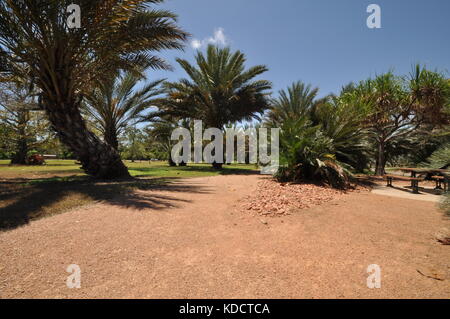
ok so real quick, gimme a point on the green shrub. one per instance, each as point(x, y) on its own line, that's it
point(440, 158)
point(306, 154)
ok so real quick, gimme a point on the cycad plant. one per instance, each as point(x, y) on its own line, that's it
point(65, 63)
point(307, 154)
point(320, 139)
point(341, 120)
point(116, 104)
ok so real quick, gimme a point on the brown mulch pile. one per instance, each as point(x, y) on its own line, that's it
point(276, 199)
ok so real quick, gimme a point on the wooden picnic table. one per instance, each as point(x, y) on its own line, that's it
point(415, 171)
point(439, 172)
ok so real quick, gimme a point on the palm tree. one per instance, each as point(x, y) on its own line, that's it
point(295, 103)
point(219, 90)
point(65, 63)
point(159, 133)
point(116, 103)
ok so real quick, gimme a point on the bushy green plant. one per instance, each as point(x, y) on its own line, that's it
point(307, 154)
point(320, 140)
point(440, 158)
point(340, 121)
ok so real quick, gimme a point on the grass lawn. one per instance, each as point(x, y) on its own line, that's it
point(64, 168)
point(31, 192)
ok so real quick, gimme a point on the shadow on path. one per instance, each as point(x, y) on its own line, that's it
point(21, 202)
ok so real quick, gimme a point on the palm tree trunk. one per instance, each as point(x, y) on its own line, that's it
point(171, 162)
point(217, 165)
point(111, 137)
point(381, 160)
point(98, 158)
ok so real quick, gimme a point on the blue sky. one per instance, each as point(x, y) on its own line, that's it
point(323, 42)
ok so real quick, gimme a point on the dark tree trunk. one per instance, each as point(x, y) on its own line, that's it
point(98, 158)
point(111, 138)
point(171, 162)
point(381, 160)
point(217, 165)
point(20, 156)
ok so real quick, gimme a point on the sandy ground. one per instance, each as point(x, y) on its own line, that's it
point(194, 241)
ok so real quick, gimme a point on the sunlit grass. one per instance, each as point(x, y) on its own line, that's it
point(136, 169)
point(32, 192)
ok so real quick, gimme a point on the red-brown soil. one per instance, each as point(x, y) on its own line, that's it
point(196, 240)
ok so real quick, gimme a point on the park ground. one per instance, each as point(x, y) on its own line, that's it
point(184, 233)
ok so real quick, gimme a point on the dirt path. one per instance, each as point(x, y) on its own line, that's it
point(195, 242)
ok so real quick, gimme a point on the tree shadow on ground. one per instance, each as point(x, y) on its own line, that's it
point(422, 190)
point(22, 201)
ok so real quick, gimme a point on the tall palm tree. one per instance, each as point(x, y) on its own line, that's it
point(219, 90)
point(116, 103)
point(65, 63)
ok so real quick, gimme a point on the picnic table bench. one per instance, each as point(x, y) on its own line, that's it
point(441, 176)
point(414, 181)
point(442, 180)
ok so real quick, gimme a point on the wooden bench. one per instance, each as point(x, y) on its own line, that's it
point(414, 181)
point(441, 180)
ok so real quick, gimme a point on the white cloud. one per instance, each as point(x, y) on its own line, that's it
point(219, 38)
point(196, 44)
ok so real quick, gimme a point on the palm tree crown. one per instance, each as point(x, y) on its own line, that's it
point(295, 102)
point(116, 103)
point(219, 89)
point(66, 63)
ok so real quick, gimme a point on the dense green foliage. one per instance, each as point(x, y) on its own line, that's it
point(398, 107)
point(117, 103)
point(320, 140)
point(388, 119)
point(440, 158)
point(90, 81)
point(66, 63)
